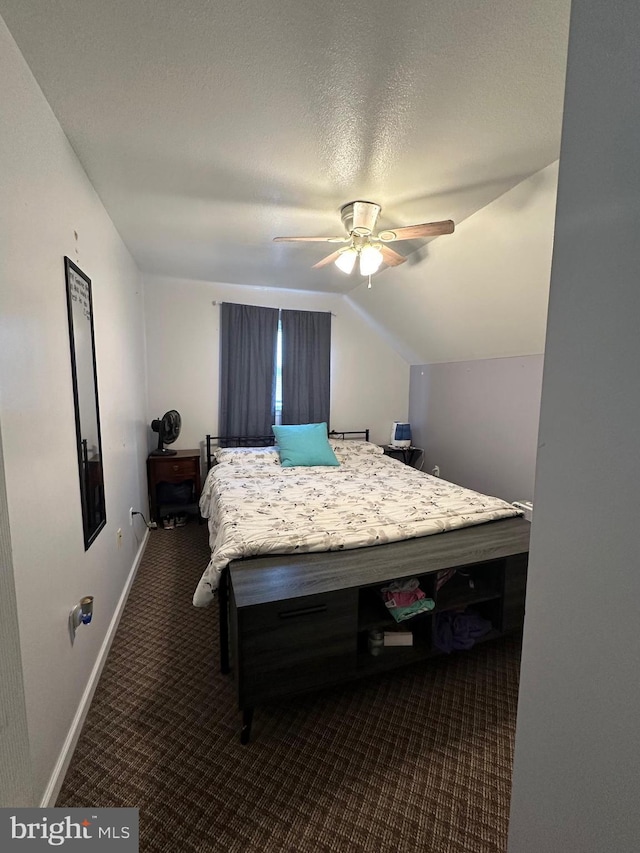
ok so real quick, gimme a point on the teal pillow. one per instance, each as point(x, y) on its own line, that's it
point(304, 444)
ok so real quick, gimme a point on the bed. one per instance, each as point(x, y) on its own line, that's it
point(289, 540)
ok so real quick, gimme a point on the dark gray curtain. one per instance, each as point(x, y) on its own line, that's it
point(306, 366)
point(248, 339)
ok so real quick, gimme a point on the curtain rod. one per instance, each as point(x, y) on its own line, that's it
point(279, 309)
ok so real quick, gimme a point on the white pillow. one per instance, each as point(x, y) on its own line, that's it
point(247, 457)
point(348, 448)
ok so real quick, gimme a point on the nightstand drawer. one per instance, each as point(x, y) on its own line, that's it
point(175, 470)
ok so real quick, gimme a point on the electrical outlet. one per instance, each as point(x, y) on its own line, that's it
point(119, 536)
point(131, 511)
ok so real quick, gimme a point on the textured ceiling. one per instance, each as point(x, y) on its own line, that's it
point(208, 128)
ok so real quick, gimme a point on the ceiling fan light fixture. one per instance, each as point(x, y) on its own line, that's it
point(346, 260)
point(370, 260)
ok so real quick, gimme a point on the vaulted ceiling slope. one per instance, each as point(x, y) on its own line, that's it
point(208, 128)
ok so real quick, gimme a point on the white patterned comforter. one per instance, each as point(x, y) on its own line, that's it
point(258, 507)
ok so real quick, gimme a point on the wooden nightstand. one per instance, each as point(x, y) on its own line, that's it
point(408, 455)
point(181, 468)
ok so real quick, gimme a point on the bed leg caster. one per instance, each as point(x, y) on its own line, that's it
point(245, 731)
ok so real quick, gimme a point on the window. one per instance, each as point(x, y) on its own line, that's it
point(274, 368)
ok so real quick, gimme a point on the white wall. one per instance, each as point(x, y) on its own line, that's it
point(369, 380)
point(15, 756)
point(44, 197)
point(576, 783)
point(471, 319)
point(478, 421)
point(479, 293)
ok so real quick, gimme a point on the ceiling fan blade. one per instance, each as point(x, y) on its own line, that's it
point(391, 257)
point(311, 239)
point(328, 260)
point(410, 232)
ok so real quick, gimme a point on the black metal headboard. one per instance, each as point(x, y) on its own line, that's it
point(266, 440)
point(354, 433)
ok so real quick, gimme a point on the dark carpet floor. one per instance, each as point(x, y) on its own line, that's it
point(415, 760)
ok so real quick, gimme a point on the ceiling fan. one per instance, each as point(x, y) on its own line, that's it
point(359, 219)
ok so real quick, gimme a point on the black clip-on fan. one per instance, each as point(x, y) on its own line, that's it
point(168, 429)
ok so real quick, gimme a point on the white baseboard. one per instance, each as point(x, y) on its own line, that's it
point(64, 758)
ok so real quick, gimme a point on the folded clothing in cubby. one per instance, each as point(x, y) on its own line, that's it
point(405, 599)
point(455, 630)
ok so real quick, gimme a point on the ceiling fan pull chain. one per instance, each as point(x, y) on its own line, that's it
point(369, 285)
